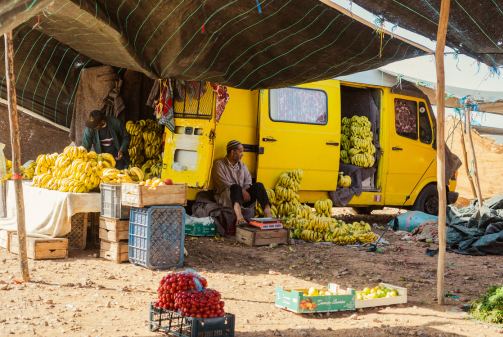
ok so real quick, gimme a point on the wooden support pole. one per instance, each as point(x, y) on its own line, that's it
point(465, 157)
point(16, 154)
point(475, 169)
point(442, 192)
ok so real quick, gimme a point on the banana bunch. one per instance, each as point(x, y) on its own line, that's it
point(290, 180)
point(136, 174)
point(344, 240)
point(287, 207)
point(29, 173)
point(344, 181)
point(152, 168)
point(152, 136)
point(259, 213)
point(339, 230)
point(136, 145)
point(324, 207)
point(274, 211)
point(285, 194)
point(345, 157)
point(8, 175)
point(135, 129)
point(271, 195)
point(155, 170)
point(345, 142)
point(296, 233)
point(363, 159)
point(303, 211)
point(367, 237)
point(361, 226)
point(309, 235)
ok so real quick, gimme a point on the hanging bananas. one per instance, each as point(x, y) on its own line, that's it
point(357, 142)
point(344, 181)
point(146, 141)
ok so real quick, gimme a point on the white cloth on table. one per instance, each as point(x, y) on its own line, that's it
point(47, 213)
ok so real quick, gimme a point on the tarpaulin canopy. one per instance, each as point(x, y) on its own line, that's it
point(474, 26)
point(239, 43)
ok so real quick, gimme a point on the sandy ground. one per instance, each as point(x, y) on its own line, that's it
point(489, 159)
point(88, 296)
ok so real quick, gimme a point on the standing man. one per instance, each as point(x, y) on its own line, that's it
point(108, 135)
point(233, 183)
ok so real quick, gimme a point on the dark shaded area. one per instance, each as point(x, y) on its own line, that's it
point(36, 136)
point(474, 26)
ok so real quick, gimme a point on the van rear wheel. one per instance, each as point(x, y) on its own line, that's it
point(427, 200)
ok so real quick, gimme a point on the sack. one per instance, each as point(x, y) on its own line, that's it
point(410, 220)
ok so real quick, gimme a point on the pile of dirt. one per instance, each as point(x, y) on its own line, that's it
point(489, 158)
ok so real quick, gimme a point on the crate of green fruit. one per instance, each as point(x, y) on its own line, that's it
point(313, 300)
point(381, 295)
point(200, 229)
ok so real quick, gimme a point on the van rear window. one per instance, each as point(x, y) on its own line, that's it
point(298, 105)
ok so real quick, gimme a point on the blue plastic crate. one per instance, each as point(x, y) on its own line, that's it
point(156, 236)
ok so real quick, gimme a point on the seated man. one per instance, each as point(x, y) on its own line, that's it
point(233, 183)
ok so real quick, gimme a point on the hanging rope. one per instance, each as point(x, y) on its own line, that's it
point(379, 29)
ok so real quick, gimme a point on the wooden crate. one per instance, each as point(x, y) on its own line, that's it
point(41, 248)
point(254, 236)
point(5, 238)
point(136, 195)
point(114, 251)
point(114, 230)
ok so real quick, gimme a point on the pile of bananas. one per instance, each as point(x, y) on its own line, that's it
point(27, 173)
point(152, 167)
point(146, 140)
point(324, 207)
point(344, 181)
point(78, 171)
point(286, 198)
point(356, 139)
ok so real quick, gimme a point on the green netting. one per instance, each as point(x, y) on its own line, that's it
point(229, 42)
point(474, 26)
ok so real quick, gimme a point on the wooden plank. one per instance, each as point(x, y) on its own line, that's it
point(111, 256)
point(41, 251)
point(114, 224)
point(264, 242)
point(114, 251)
point(475, 168)
point(442, 193)
point(113, 236)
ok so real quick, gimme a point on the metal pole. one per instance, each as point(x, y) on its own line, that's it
point(442, 192)
point(16, 154)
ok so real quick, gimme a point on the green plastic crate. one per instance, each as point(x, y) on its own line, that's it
point(199, 229)
point(294, 300)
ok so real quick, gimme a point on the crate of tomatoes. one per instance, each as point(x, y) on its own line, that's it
point(186, 307)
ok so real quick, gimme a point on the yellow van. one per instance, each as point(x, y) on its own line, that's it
point(300, 127)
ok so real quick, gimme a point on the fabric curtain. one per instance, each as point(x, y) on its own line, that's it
point(300, 105)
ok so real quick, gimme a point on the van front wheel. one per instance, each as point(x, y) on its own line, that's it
point(427, 200)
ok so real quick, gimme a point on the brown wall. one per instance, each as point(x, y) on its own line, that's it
point(37, 137)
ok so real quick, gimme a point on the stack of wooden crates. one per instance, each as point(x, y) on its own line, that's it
point(114, 224)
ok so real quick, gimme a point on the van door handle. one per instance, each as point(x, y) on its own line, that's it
point(396, 148)
point(334, 144)
point(268, 139)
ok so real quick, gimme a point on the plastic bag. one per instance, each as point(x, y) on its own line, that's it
point(3, 168)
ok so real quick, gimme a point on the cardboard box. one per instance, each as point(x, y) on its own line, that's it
point(294, 300)
point(383, 301)
point(200, 229)
point(136, 195)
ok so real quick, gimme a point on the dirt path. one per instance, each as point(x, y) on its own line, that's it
point(88, 296)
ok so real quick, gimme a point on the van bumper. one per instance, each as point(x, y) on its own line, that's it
point(452, 197)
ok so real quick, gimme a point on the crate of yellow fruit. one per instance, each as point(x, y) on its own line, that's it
point(381, 295)
point(154, 192)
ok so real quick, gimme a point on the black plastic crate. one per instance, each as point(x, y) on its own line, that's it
point(178, 325)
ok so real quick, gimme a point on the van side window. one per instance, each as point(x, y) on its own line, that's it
point(425, 134)
point(298, 105)
point(406, 118)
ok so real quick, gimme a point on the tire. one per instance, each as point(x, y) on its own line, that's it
point(427, 200)
point(366, 210)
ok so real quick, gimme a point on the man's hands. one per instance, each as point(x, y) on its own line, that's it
point(246, 196)
point(120, 155)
